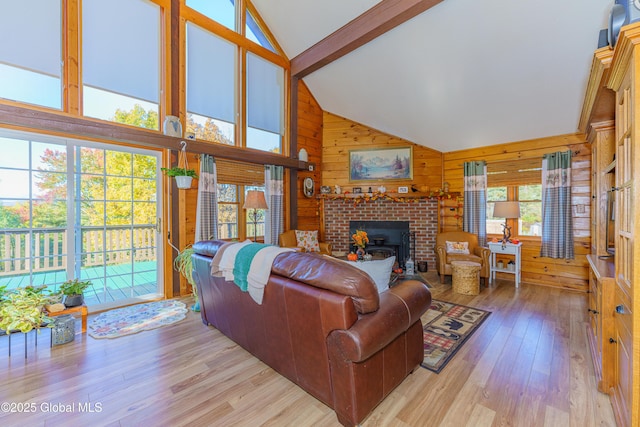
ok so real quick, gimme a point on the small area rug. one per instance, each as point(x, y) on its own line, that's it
point(136, 318)
point(447, 327)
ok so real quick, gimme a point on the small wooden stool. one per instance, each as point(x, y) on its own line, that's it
point(466, 277)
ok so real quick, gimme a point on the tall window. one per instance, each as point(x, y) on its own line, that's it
point(265, 104)
point(235, 86)
point(121, 57)
point(31, 52)
point(211, 81)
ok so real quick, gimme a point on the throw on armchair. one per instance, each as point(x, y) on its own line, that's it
point(473, 252)
point(307, 241)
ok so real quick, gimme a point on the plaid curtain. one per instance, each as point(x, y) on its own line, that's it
point(274, 193)
point(475, 200)
point(557, 222)
point(207, 207)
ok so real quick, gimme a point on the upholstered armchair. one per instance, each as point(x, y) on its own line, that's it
point(476, 253)
point(288, 239)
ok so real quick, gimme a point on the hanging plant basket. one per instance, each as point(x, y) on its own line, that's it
point(183, 182)
point(181, 173)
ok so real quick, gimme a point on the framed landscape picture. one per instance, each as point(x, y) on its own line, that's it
point(381, 164)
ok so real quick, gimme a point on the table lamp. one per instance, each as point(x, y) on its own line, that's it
point(506, 210)
point(255, 200)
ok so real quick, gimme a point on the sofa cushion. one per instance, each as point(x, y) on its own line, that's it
point(458, 247)
point(308, 240)
point(379, 270)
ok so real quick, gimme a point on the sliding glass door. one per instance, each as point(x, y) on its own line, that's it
point(78, 209)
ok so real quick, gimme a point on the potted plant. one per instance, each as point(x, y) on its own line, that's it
point(73, 290)
point(22, 310)
point(183, 176)
point(183, 263)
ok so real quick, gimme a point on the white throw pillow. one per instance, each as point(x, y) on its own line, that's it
point(379, 270)
point(458, 247)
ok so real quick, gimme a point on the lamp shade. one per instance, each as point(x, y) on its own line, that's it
point(255, 200)
point(506, 210)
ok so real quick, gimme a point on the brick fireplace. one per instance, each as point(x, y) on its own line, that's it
point(421, 215)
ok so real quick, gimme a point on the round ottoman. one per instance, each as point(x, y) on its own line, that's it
point(466, 277)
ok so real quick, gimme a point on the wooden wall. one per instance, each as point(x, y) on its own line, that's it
point(341, 135)
point(309, 138)
point(561, 273)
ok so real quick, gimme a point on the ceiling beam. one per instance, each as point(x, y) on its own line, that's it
point(376, 21)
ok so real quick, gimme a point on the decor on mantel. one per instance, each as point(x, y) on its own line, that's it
point(356, 198)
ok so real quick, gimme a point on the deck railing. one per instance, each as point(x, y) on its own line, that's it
point(45, 249)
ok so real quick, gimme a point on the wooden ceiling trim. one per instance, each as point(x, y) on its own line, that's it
point(376, 21)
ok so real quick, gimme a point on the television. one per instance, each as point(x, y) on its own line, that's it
point(610, 219)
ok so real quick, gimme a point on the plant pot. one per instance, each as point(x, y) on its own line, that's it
point(73, 300)
point(183, 182)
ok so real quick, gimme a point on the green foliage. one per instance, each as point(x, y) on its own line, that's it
point(176, 171)
point(137, 117)
point(74, 287)
point(183, 263)
point(22, 310)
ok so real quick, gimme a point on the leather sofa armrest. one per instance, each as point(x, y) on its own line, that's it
point(400, 307)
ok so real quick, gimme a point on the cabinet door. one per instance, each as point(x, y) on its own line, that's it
point(623, 360)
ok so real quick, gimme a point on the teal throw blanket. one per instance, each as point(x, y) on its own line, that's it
point(243, 262)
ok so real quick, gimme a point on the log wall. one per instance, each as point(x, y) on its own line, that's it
point(309, 138)
point(341, 135)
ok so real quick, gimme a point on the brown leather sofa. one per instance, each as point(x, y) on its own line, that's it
point(323, 325)
point(477, 253)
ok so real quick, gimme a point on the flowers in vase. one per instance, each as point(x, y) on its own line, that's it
point(360, 238)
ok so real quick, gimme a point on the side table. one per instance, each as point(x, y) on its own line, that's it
point(506, 249)
point(82, 309)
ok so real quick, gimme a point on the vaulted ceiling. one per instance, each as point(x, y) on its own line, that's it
point(462, 74)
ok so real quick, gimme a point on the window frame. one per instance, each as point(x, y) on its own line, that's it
point(243, 215)
point(514, 223)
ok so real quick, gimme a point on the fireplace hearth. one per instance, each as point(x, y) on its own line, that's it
point(386, 238)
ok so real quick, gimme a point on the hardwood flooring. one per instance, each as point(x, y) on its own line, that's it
point(527, 365)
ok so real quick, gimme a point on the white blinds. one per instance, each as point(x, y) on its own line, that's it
point(210, 75)
point(31, 33)
point(265, 95)
point(121, 47)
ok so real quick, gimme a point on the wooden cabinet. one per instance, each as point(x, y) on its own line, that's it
point(601, 309)
point(625, 82)
point(602, 139)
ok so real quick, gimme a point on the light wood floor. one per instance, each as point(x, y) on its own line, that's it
point(528, 365)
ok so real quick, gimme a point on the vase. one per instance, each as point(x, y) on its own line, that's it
point(172, 126)
point(360, 253)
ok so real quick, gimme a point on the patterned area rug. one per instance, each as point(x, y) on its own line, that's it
point(447, 327)
point(136, 318)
